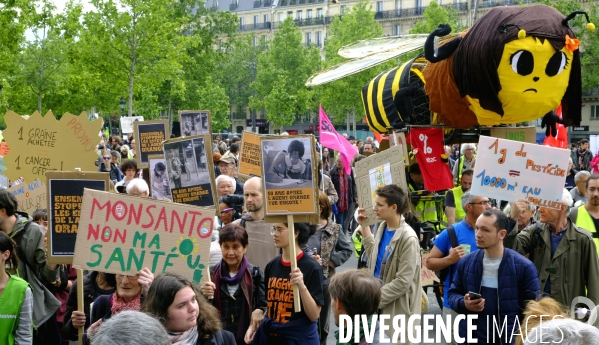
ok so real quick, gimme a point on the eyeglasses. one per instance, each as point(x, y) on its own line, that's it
point(227, 210)
point(275, 231)
point(121, 276)
point(106, 158)
point(484, 203)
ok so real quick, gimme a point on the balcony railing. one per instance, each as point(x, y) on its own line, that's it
point(256, 26)
point(488, 4)
point(299, 2)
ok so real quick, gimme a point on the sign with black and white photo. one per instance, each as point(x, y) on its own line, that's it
point(160, 186)
point(149, 136)
point(195, 122)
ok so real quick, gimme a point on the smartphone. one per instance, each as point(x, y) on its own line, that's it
point(474, 296)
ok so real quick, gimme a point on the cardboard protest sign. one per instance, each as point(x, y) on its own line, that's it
point(4, 150)
point(159, 184)
point(30, 196)
point(195, 122)
point(190, 170)
point(40, 144)
point(511, 170)
point(250, 159)
point(128, 121)
point(65, 194)
point(125, 235)
point(524, 134)
point(289, 175)
point(381, 169)
point(149, 136)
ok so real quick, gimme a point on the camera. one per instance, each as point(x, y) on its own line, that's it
point(234, 201)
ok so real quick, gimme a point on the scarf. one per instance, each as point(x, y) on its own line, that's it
point(118, 304)
point(581, 158)
point(189, 337)
point(343, 190)
point(244, 278)
point(355, 341)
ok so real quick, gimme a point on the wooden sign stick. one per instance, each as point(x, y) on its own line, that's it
point(291, 232)
point(80, 302)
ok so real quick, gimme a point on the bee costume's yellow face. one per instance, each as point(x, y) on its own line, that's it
point(533, 76)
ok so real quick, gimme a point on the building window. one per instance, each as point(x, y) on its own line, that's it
point(594, 112)
point(263, 38)
point(418, 4)
point(290, 14)
point(255, 41)
point(318, 39)
point(398, 5)
point(309, 14)
point(281, 17)
point(255, 22)
point(265, 18)
point(343, 9)
point(397, 30)
point(379, 6)
point(308, 38)
point(299, 15)
point(241, 21)
point(319, 12)
point(220, 44)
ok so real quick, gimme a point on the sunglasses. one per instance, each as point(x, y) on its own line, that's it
point(226, 210)
point(106, 158)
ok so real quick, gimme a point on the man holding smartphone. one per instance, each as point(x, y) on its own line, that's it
point(477, 289)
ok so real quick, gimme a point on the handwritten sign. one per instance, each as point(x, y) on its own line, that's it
point(41, 144)
point(511, 170)
point(381, 169)
point(149, 136)
point(65, 194)
point(190, 170)
point(288, 174)
point(524, 134)
point(128, 121)
point(30, 196)
point(250, 159)
point(127, 234)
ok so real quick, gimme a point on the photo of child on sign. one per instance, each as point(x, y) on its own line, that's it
point(184, 163)
point(288, 175)
point(194, 123)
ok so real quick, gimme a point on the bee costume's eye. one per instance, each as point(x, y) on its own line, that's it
point(522, 62)
point(556, 64)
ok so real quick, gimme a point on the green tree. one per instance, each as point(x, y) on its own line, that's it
point(343, 96)
point(281, 75)
point(214, 98)
point(434, 15)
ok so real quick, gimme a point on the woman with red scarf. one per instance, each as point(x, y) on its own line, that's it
point(237, 287)
point(130, 290)
point(345, 184)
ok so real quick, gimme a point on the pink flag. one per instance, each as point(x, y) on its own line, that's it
point(333, 140)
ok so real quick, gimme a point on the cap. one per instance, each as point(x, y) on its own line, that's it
point(351, 137)
point(229, 159)
point(583, 141)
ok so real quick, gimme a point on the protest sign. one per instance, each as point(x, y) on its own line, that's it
point(381, 169)
point(524, 134)
point(40, 144)
point(149, 136)
point(30, 196)
point(4, 150)
point(127, 123)
point(65, 193)
point(127, 234)
point(190, 170)
point(159, 183)
point(289, 185)
point(250, 159)
point(195, 122)
point(511, 170)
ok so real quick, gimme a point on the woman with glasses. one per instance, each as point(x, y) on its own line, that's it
point(110, 167)
point(129, 293)
point(283, 325)
point(330, 248)
point(237, 287)
point(187, 317)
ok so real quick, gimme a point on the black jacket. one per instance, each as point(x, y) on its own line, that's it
point(353, 192)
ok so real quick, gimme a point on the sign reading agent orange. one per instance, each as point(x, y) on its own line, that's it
point(250, 160)
point(125, 235)
point(289, 175)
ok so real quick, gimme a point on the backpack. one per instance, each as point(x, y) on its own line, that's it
point(453, 240)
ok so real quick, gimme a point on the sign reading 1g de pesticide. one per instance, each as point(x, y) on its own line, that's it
point(512, 170)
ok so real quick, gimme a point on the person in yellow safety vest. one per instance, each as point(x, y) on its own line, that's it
point(467, 161)
point(454, 213)
point(424, 210)
point(586, 216)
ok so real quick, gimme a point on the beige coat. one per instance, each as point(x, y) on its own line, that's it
point(402, 282)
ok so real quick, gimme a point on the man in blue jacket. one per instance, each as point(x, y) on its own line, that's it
point(498, 302)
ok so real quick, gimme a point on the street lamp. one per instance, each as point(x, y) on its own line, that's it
point(123, 103)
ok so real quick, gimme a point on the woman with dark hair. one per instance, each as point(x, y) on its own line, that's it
point(330, 248)
point(187, 316)
point(345, 185)
point(160, 185)
point(129, 169)
point(16, 299)
point(287, 164)
point(283, 323)
point(237, 287)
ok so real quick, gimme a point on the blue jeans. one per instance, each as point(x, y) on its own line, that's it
point(340, 219)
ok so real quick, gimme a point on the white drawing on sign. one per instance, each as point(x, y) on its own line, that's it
point(427, 149)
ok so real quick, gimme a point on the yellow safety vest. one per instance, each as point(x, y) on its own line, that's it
point(460, 168)
point(426, 210)
point(459, 211)
point(585, 221)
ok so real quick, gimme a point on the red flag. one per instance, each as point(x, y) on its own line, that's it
point(427, 145)
point(561, 139)
point(333, 140)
